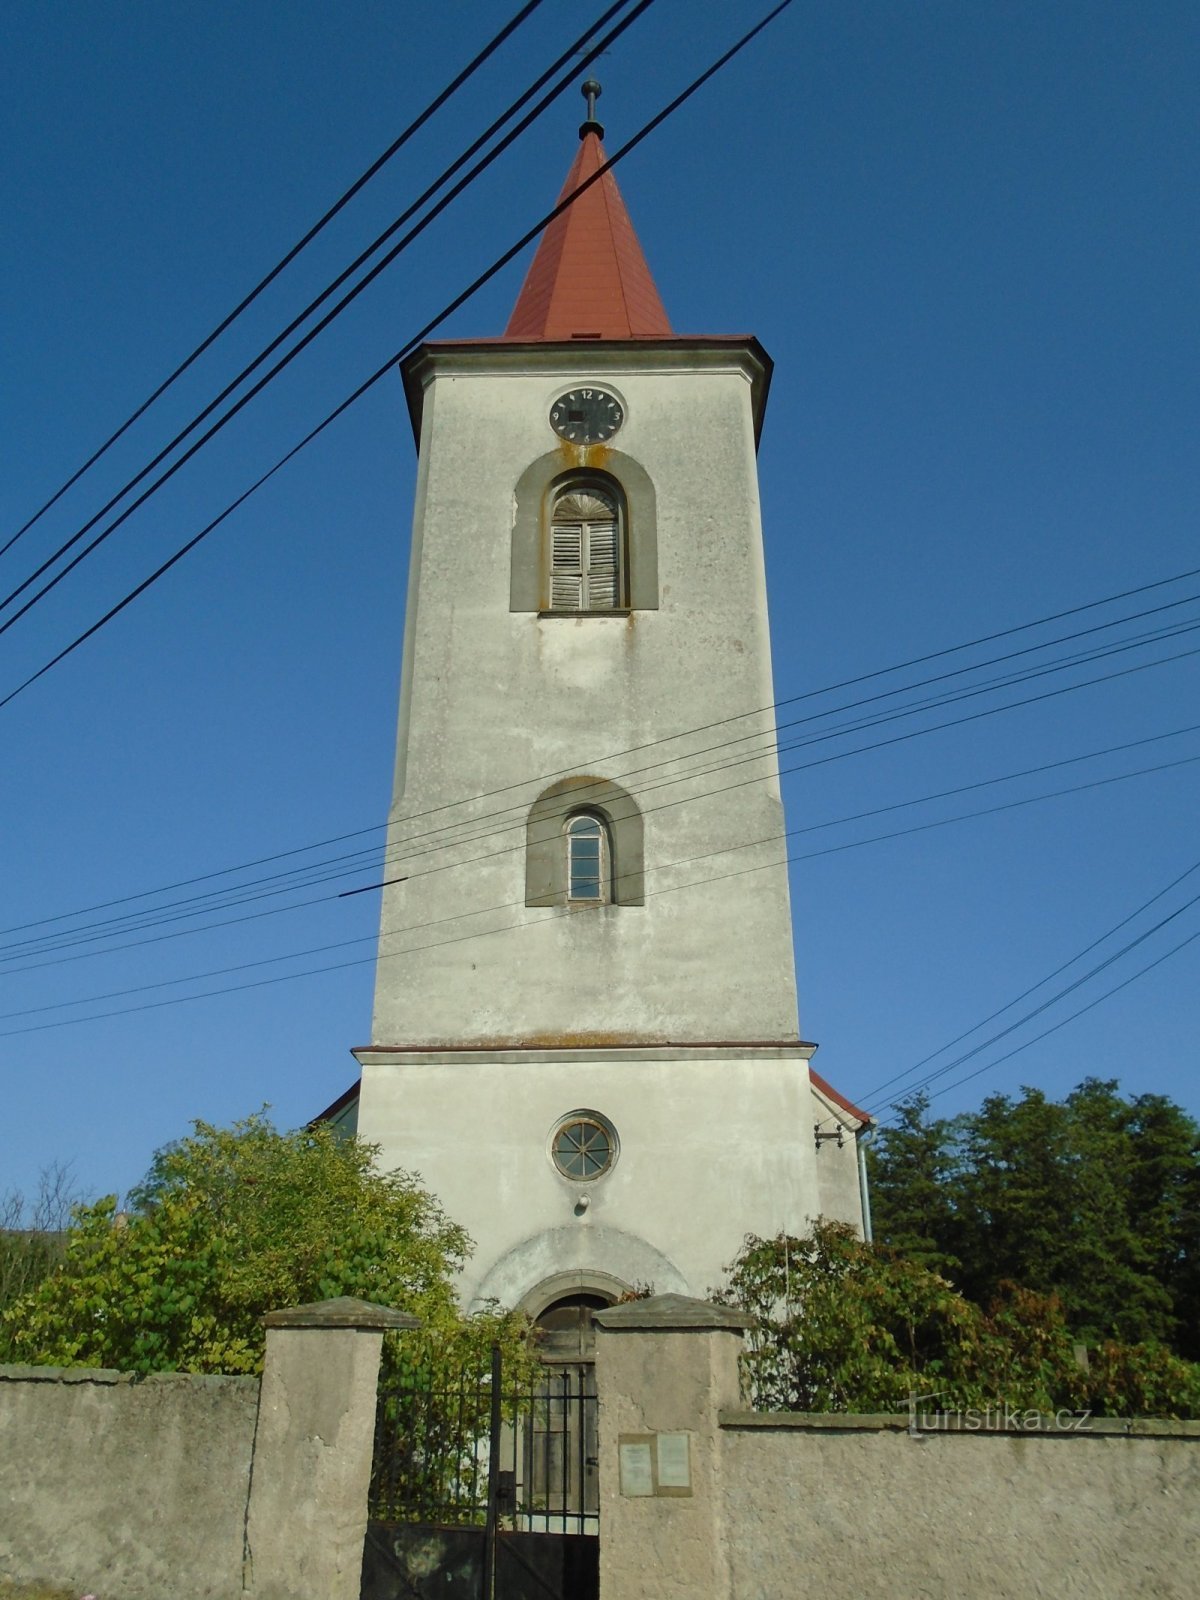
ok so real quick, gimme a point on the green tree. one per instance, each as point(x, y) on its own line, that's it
point(840, 1325)
point(230, 1223)
point(1094, 1199)
point(912, 1169)
point(1164, 1201)
point(1013, 1186)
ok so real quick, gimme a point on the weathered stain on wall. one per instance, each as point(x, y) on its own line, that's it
point(215, 1488)
point(133, 1487)
point(859, 1507)
point(875, 1511)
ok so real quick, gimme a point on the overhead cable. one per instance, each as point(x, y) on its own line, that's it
point(1109, 933)
point(460, 299)
point(359, 183)
point(514, 905)
point(403, 851)
point(302, 344)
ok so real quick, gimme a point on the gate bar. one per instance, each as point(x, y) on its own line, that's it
point(489, 1535)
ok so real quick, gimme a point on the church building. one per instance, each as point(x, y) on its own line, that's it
point(585, 1036)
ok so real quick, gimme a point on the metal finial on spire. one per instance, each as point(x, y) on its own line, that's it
point(591, 92)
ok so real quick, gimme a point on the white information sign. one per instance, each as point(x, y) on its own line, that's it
point(637, 1467)
point(674, 1462)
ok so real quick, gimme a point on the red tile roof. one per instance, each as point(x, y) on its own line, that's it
point(830, 1093)
point(589, 278)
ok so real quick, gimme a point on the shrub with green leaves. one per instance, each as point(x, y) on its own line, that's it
point(230, 1223)
point(840, 1325)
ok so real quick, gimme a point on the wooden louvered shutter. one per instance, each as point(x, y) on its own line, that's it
point(602, 570)
point(566, 566)
point(585, 552)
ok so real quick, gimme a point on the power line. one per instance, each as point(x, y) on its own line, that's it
point(583, 793)
point(359, 183)
point(368, 383)
point(402, 851)
point(303, 343)
point(1024, 995)
point(303, 876)
point(23, 953)
point(777, 746)
point(845, 683)
point(988, 1066)
point(685, 733)
point(521, 904)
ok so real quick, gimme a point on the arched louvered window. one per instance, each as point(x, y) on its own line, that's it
point(589, 858)
point(622, 486)
point(586, 550)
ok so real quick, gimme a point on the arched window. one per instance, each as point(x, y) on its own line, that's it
point(542, 490)
point(589, 859)
point(587, 563)
point(583, 839)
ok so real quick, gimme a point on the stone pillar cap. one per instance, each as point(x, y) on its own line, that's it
point(344, 1312)
point(677, 1311)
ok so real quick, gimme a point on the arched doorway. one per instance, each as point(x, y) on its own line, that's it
point(565, 1330)
point(560, 1447)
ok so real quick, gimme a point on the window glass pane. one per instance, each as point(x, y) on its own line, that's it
point(585, 858)
point(582, 1149)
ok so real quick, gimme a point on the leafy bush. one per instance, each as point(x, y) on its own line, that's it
point(231, 1223)
point(845, 1326)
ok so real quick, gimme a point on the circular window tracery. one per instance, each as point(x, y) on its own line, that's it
point(583, 1146)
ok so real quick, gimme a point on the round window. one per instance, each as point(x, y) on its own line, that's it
point(584, 1146)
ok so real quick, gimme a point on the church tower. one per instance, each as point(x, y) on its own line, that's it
point(585, 1034)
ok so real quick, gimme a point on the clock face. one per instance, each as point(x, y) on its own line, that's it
point(586, 416)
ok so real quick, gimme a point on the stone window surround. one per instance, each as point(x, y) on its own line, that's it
point(545, 841)
point(534, 497)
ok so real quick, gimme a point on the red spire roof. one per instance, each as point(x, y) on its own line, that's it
point(589, 278)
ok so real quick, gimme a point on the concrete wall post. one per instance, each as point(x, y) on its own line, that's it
point(665, 1366)
point(307, 1516)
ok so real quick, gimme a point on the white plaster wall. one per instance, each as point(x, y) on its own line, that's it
point(837, 1175)
point(710, 1150)
point(500, 701)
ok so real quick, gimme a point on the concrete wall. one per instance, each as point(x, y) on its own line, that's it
point(141, 1488)
point(860, 1508)
point(997, 1515)
point(124, 1487)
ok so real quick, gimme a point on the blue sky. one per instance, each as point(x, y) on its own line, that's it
point(968, 236)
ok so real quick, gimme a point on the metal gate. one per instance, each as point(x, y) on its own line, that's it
point(484, 1491)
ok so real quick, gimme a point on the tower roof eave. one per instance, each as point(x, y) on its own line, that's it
point(602, 355)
